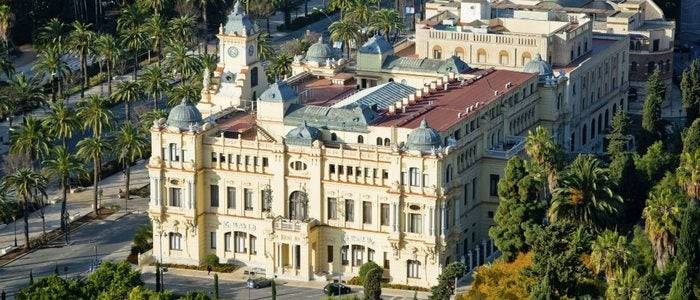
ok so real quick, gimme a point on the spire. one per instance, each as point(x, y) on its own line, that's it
point(538, 56)
point(237, 7)
point(423, 123)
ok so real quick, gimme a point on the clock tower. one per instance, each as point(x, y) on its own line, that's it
point(241, 75)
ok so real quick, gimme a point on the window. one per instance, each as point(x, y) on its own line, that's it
point(370, 254)
point(239, 241)
point(386, 260)
point(387, 142)
point(231, 197)
point(413, 177)
point(266, 199)
point(379, 141)
point(360, 139)
point(265, 162)
point(175, 239)
point(415, 223)
point(253, 239)
point(465, 193)
point(357, 254)
point(367, 212)
point(176, 197)
point(493, 184)
point(349, 214)
point(212, 240)
point(474, 189)
point(334, 137)
point(481, 56)
point(459, 52)
point(384, 214)
point(214, 156)
point(448, 174)
point(503, 57)
point(437, 52)
point(174, 153)
point(426, 180)
point(329, 254)
point(413, 268)
point(331, 169)
point(214, 195)
point(298, 165)
point(248, 199)
point(254, 78)
point(227, 242)
point(332, 208)
point(344, 255)
point(490, 214)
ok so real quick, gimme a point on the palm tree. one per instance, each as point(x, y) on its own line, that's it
point(157, 28)
point(81, 39)
point(344, 31)
point(546, 154)
point(624, 286)
point(127, 92)
point(343, 5)
point(361, 11)
point(30, 138)
point(182, 30)
point(209, 61)
point(129, 144)
point(155, 82)
point(662, 221)
point(132, 32)
point(94, 113)
point(6, 18)
point(93, 149)
point(63, 165)
point(26, 91)
point(60, 122)
point(205, 25)
point(5, 63)
point(584, 195)
point(107, 48)
point(280, 67)
point(25, 183)
point(385, 21)
point(52, 35)
point(265, 49)
point(180, 60)
point(155, 5)
point(609, 253)
point(689, 174)
point(148, 118)
point(50, 65)
point(188, 92)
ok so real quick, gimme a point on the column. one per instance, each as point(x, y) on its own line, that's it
point(486, 254)
point(393, 217)
point(193, 201)
point(477, 256)
point(426, 224)
point(443, 212)
point(294, 257)
point(431, 216)
point(152, 187)
point(159, 193)
point(471, 261)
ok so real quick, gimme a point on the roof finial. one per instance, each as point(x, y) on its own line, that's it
point(237, 7)
point(320, 39)
point(423, 123)
point(538, 57)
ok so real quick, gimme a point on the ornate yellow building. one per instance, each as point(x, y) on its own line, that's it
point(403, 173)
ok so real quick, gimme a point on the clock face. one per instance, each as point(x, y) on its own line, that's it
point(233, 52)
point(251, 50)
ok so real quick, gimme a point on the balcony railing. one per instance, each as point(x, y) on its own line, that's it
point(507, 149)
point(294, 225)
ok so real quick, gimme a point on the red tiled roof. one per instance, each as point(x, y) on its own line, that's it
point(440, 108)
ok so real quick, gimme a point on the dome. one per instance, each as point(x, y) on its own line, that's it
point(423, 138)
point(183, 115)
point(376, 45)
point(239, 22)
point(539, 66)
point(279, 91)
point(600, 5)
point(303, 135)
point(320, 52)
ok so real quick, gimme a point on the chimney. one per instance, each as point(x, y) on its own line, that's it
point(459, 115)
point(495, 93)
point(405, 101)
point(446, 85)
point(419, 94)
point(412, 98)
point(392, 109)
point(426, 90)
point(433, 86)
point(398, 104)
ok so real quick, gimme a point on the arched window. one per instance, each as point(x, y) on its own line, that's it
point(412, 269)
point(459, 52)
point(614, 111)
point(437, 52)
point(254, 77)
point(584, 134)
point(360, 139)
point(607, 118)
point(503, 57)
point(379, 141)
point(334, 137)
point(526, 58)
point(600, 122)
point(593, 128)
point(481, 56)
point(387, 142)
point(298, 201)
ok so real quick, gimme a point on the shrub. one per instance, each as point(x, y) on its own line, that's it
point(372, 284)
point(211, 260)
point(143, 239)
point(195, 296)
point(365, 268)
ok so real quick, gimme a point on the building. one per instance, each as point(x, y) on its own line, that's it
point(403, 173)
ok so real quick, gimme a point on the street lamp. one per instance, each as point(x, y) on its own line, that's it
point(14, 220)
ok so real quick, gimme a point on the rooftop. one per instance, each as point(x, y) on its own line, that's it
point(599, 46)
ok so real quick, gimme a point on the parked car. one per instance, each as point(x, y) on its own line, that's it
point(258, 283)
point(336, 289)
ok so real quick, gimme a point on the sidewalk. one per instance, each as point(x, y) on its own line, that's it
point(78, 205)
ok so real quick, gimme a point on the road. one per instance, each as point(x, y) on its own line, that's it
point(111, 238)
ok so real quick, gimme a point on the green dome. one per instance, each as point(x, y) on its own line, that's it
point(303, 135)
point(183, 115)
point(539, 66)
point(320, 52)
point(424, 138)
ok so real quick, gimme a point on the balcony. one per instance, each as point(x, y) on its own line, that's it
point(512, 146)
point(294, 225)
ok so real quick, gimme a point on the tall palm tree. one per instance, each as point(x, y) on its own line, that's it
point(361, 12)
point(345, 31)
point(385, 21)
point(94, 113)
point(343, 5)
point(25, 182)
point(5, 63)
point(156, 6)
point(63, 165)
point(26, 91)
point(157, 28)
point(689, 174)
point(188, 92)
point(148, 118)
point(93, 149)
point(81, 41)
point(30, 138)
point(61, 122)
point(109, 51)
point(6, 18)
point(584, 195)
point(52, 35)
point(129, 144)
point(609, 253)
point(155, 82)
point(127, 92)
point(209, 61)
point(546, 154)
point(205, 24)
point(183, 62)
point(265, 49)
point(50, 65)
point(624, 286)
point(182, 30)
point(280, 67)
point(132, 32)
point(662, 221)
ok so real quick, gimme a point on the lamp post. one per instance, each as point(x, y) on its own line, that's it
point(14, 220)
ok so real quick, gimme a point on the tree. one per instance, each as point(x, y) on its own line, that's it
point(624, 285)
point(361, 11)
point(30, 138)
point(183, 92)
point(519, 211)
point(179, 60)
point(155, 82)
point(127, 92)
point(182, 30)
point(280, 67)
point(111, 281)
point(107, 48)
point(689, 174)
point(688, 248)
point(655, 162)
point(690, 90)
point(585, 195)
point(287, 7)
point(130, 144)
point(652, 123)
point(342, 5)
point(81, 39)
point(502, 280)
point(366, 268)
point(372, 284)
point(25, 183)
point(385, 21)
point(682, 288)
point(544, 151)
point(51, 287)
point(143, 239)
point(95, 114)
point(132, 32)
point(216, 286)
point(662, 216)
point(157, 28)
point(446, 280)
point(691, 137)
point(629, 184)
point(52, 35)
point(93, 149)
point(346, 32)
point(60, 123)
point(25, 92)
point(265, 49)
point(49, 64)
point(618, 134)
point(205, 24)
point(261, 9)
point(63, 165)
point(5, 63)
point(148, 118)
point(609, 253)
point(6, 18)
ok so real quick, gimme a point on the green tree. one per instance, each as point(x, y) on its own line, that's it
point(5, 63)
point(446, 280)
point(205, 23)
point(688, 248)
point(630, 185)
point(25, 183)
point(641, 252)
point(345, 31)
point(662, 216)
point(25, 92)
point(111, 281)
point(196, 295)
point(52, 35)
point(655, 162)
point(366, 268)
point(547, 157)
point(6, 18)
point(155, 82)
point(143, 239)
point(148, 118)
point(519, 211)
point(682, 288)
point(132, 32)
point(609, 253)
point(51, 288)
point(584, 195)
point(652, 123)
point(690, 90)
point(49, 64)
point(127, 92)
point(624, 286)
point(158, 31)
point(179, 60)
point(60, 123)
point(691, 137)
point(689, 174)
point(30, 138)
point(183, 93)
point(287, 7)
point(64, 166)
point(216, 286)
point(130, 144)
point(81, 41)
point(280, 67)
point(109, 52)
point(372, 284)
point(618, 134)
point(385, 21)
point(182, 30)
point(95, 114)
point(265, 49)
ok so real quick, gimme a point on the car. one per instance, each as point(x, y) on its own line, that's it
point(258, 283)
point(336, 289)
